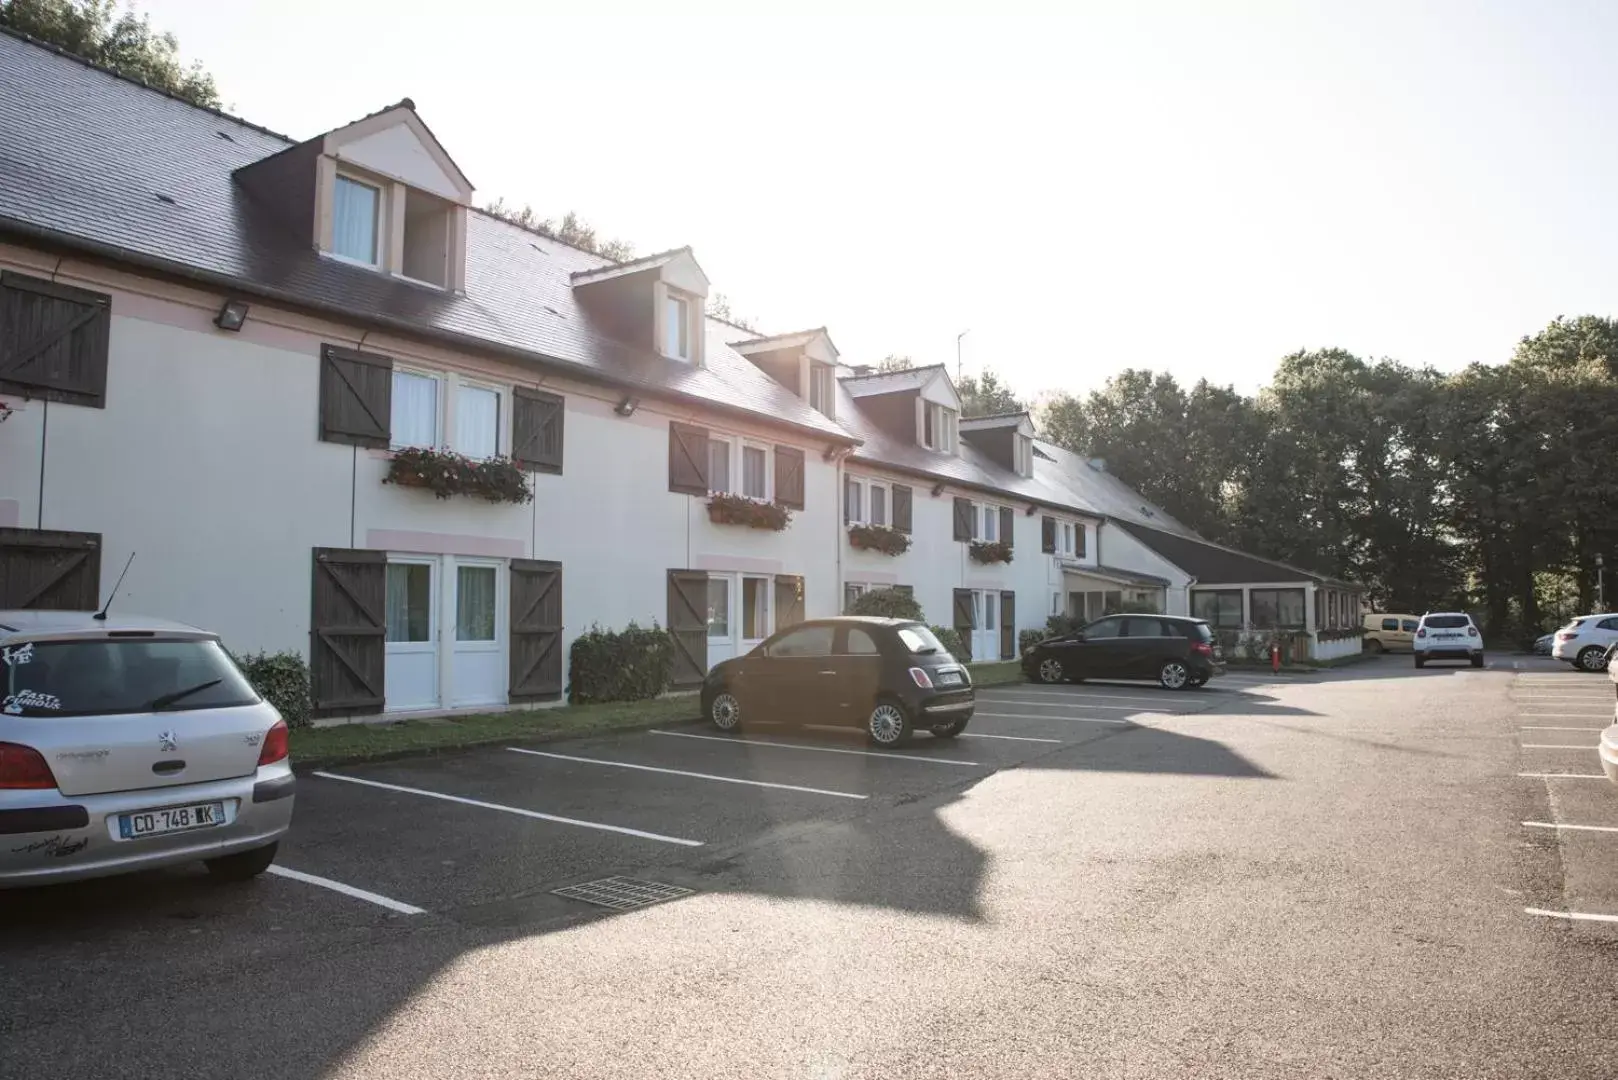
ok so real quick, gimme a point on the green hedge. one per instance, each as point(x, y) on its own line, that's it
point(887, 603)
point(631, 664)
point(282, 679)
point(1027, 639)
point(950, 638)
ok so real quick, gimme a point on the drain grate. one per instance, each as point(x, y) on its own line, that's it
point(621, 893)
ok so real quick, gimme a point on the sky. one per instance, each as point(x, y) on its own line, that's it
point(1195, 187)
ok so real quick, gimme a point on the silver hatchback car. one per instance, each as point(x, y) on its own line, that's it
point(128, 744)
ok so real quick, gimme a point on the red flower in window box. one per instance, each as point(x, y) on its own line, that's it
point(446, 473)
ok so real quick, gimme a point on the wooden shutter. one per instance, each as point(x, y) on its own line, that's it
point(536, 430)
point(688, 459)
point(1008, 526)
point(46, 570)
point(53, 341)
point(1079, 535)
point(356, 397)
point(788, 601)
point(789, 477)
point(1008, 625)
point(963, 620)
point(963, 519)
point(903, 501)
point(1047, 535)
point(536, 631)
point(688, 622)
point(347, 631)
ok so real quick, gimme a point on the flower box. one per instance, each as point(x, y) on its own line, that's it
point(878, 538)
point(446, 473)
point(984, 551)
point(753, 513)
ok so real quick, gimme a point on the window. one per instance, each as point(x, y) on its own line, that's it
point(428, 224)
point(852, 500)
point(1277, 608)
point(1081, 543)
point(822, 388)
point(409, 602)
point(1446, 622)
point(1408, 626)
point(851, 593)
point(920, 640)
point(719, 608)
point(477, 421)
point(1138, 627)
point(879, 505)
point(1390, 624)
point(755, 608)
point(415, 409)
point(986, 523)
point(860, 643)
point(938, 427)
point(804, 641)
point(474, 603)
point(677, 327)
point(718, 464)
point(79, 678)
point(1106, 628)
point(1067, 543)
point(1023, 451)
point(355, 212)
point(1222, 609)
point(755, 472)
point(1056, 603)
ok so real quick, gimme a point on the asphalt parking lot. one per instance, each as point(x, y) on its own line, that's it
point(1231, 856)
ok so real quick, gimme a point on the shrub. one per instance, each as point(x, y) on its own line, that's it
point(446, 473)
point(1027, 639)
point(1063, 625)
point(888, 603)
point(950, 638)
point(878, 538)
point(282, 679)
point(631, 664)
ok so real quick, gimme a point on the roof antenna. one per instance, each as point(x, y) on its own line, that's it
point(102, 614)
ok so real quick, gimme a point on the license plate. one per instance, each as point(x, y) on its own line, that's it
point(171, 819)
point(950, 678)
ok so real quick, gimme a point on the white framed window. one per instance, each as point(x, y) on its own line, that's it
point(720, 450)
point(409, 606)
point(878, 504)
point(938, 427)
point(1067, 538)
point(822, 388)
point(677, 326)
point(852, 591)
point(719, 608)
point(415, 409)
point(477, 420)
point(985, 523)
point(1056, 603)
point(756, 623)
point(755, 472)
point(1024, 453)
point(356, 220)
point(853, 500)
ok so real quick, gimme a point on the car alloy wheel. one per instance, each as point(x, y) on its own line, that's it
point(726, 711)
point(888, 724)
point(1050, 670)
point(1593, 658)
point(1174, 675)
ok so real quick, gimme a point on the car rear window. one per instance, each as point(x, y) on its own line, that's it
point(97, 678)
point(1197, 631)
point(920, 640)
point(1447, 622)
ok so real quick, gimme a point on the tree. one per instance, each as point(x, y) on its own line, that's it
point(986, 395)
point(571, 230)
point(895, 362)
point(126, 44)
point(718, 307)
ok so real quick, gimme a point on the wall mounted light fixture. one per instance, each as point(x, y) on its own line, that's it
point(938, 489)
point(1032, 510)
point(231, 316)
point(627, 406)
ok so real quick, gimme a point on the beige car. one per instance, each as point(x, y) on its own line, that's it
point(1390, 633)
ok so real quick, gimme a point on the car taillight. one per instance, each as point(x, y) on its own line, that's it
point(1565, 635)
point(1202, 648)
point(24, 768)
point(1421, 633)
point(1471, 631)
point(275, 744)
point(920, 677)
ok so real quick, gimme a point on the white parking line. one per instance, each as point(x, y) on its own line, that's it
point(1531, 727)
point(1032, 694)
point(1557, 746)
point(1036, 703)
point(519, 811)
point(1577, 828)
point(1576, 915)
point(1059, 719)
point(347, 890)
point(1562, 775)
point(1560, 715)
point(886, 755)
point(682, 772)
point(1010, 738)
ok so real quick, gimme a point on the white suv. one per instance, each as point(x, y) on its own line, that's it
point(1584, 641)
point(1447, 635)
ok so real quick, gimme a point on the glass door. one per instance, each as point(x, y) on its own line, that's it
point(412, 634)
point(478, 664)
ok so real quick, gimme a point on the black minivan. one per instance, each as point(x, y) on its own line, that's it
point(1176, 651)
point(888, 676)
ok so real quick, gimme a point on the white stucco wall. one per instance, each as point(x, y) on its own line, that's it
point(1120, 549)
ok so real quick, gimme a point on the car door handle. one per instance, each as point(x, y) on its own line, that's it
point(828, 672)
point(169, 766)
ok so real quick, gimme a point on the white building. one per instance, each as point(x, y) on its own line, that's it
point(215, 343)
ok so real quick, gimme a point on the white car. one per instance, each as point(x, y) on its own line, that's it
point(1608, 747)
point(1584, 641)
point(1447, 635)
point(128, 744)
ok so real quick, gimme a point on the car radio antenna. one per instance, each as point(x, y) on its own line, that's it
point(102, 614)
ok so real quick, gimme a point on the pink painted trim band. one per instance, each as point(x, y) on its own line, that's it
point(426, 543)
point(737, 564)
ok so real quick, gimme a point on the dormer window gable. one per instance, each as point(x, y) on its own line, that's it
point(914, 404)
point(380, 193)
point(1007, 440)
point(804, 362)
point(656, 302)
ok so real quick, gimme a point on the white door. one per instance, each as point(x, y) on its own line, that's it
point(722, 626)
point(412, 634)
point(986, 638)
point(477, 640)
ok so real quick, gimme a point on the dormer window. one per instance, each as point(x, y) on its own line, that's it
point(1024, 451)
point(822, 388)
point(677, 326)
point(356, 211)
point(938, 427)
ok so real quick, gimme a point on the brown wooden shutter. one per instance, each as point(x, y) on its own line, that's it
point(1047, 535)
point(788, 601)
point(46, 570)
point(356, 397)
point(963, 519)
point(536, 430)
point(1079, 542)
point(963, 620)
point(347, 631)
point(1008, 526)
point(903, 503)
point(536, 631)
point(53, 341)
point(789, 477)
point(1008, 626)
point(688, 622)
point(688, 459)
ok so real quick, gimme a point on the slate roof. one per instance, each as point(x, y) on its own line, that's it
point(889, 382)
point(85, 155)
point(1214, 564)
point(1082, 484)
